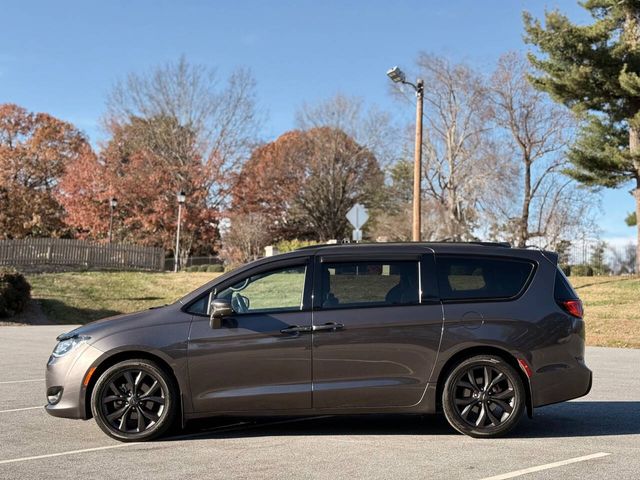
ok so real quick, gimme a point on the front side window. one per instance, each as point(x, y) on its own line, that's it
point(481, 278)
point(275, 290)
point(374, 283)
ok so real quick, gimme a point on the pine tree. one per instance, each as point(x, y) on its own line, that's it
point(594, 70)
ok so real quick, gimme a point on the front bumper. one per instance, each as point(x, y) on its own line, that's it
point(69, 373)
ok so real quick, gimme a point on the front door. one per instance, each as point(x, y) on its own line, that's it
point(258, 359)
point(375, 336)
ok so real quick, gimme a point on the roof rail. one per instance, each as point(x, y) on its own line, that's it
point(493, 244)
point(484, 244)
point(307, 247)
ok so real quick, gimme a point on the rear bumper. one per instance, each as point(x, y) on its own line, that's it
point(560, 384)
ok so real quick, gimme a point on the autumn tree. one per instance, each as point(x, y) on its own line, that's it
point(339, 174)
point(145, 184)
point(270, 182)
point(593, 69)
point(176, 127)
point(35, 151)
point(538, 203)
point(304, 183)
point(370, 127)
point(221, 114)
point(348, 145)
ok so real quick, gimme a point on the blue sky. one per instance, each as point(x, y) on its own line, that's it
point(63, 57)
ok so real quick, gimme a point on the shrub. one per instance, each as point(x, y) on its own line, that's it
point(582, 271)
point(15, 292)
point(566, 269)
point(601, 270)
point(285, 246)
point(216, 267)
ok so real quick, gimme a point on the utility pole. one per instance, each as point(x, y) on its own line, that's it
point(417, 165)
point(398, 76)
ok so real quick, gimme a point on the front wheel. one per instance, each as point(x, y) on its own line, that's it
point(134, 400)
point(483, 397)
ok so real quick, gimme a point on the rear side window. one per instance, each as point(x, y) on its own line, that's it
point(363, 284)
point(563, 289)
point(482, 278)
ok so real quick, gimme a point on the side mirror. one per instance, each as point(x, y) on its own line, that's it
point(219, 309)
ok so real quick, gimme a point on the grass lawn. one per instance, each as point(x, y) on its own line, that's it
point(81, 297)
point(612, 309)
point(612, 304)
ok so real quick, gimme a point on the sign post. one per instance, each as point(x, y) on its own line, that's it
point(357, 216)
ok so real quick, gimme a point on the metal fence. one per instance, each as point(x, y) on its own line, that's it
point(601, 257)
point(169, 262)
point(34, 253)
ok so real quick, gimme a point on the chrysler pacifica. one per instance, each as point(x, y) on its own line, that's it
point(480, 332)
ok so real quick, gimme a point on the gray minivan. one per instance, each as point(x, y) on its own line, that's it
point(481, 332)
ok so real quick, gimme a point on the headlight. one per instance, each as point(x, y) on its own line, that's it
point(65, 346)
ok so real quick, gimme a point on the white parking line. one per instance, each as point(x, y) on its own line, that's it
point(230, 428)
point(547, 466)
point(22, 409)
point(71, 452)
point(22, 381)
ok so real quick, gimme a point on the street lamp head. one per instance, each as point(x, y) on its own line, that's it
point(181, 197)
point(113, 202)
point(396, 75)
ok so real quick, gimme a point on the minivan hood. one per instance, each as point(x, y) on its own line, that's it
point(117, 323)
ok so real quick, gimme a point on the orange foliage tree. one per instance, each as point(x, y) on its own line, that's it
point(145, 184)
point(305, 182)
point(270, 182)
point(35, 151)
point(173, 128)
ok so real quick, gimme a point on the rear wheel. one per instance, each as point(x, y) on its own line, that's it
point(134, 400)
point(483, 397)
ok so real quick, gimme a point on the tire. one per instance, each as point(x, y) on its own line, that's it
point(477, 411)
point(134, 401)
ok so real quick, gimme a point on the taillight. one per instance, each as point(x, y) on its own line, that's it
point(573, 307)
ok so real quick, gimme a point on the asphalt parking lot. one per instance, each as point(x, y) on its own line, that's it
point(597, 436)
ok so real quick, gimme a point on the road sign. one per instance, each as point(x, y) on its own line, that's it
point(357, 216)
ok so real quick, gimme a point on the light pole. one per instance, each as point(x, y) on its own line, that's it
point(398, 76)
point(113, 203)
point(181, 198)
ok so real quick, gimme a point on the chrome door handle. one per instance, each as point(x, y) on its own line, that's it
point(296, 329)
point(332, 326)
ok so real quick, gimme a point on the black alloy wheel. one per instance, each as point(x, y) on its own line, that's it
point(483, 397)
point(134, 400)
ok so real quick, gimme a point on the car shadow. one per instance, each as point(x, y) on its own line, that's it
point(582, 419)
point(571, 419)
